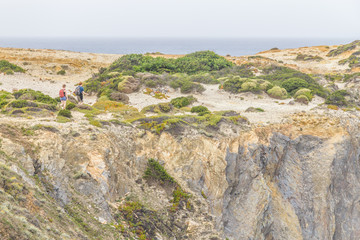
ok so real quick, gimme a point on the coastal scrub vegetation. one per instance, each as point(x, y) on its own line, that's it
point(343, 48)
point(353, 60)
point(337, 98)
point(310, 58)
point(27, 102)
point(9, 68)
point(188, 73)
point(156, 172)
point(184, 73)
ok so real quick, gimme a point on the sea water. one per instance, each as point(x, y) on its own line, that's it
point(222, 46)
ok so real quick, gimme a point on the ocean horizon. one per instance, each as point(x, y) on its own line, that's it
point(222, 46)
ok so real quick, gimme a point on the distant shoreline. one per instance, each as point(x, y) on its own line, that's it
point(170, 46)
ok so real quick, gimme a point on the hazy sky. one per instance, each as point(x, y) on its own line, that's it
point(180, 18)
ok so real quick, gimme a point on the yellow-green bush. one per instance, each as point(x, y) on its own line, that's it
point(249, 86)
point(304, 91)
point(277, 92)
point(302, 99)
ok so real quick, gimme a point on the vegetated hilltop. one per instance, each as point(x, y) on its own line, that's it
point(188, 164)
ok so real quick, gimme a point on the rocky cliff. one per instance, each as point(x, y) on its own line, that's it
point(295, 180)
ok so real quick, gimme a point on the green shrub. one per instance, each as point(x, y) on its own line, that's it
point(305, 57)
point(278, 74)
point(265, 85)
point(9, 72)
point(205, 78)
point(189, 87)
point(293, 84)
point(249, 86)
point(70, 106)
point(304, 91)
point(19, 103)
point(242, 71)
point(337, 98)
point(233, 84)
point(65, 113)
point(35, 95)
point(154, 170)
point(200, 109)
point(180, 102)
point(277, 92)
point(61, 72)
point(302, 99)
point(9, 68)
point(165, 107)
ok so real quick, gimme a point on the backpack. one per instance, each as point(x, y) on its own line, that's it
point(77, 91)
point(62, 93)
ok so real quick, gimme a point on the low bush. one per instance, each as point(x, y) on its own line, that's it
point(279, 74)
point(277, 92)
point(190, 87)
point(201, 110)
point(304, 91)
point(65, 113)
point(35, 95)
point(265, 85)
point(250, 86)
point(164, 107)
point(182, 101)
point(337, 98)
point(70, 106)
point(19, 104)
point(302, 99)
point(305, 57)
point(233, 84)
point(293, 84)
point(61, 72)
point(9, 68)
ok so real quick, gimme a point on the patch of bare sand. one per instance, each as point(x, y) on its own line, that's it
point(218, 100)
point(327, 65)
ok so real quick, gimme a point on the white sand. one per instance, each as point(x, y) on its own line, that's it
point(219, 100)
point(212, 98)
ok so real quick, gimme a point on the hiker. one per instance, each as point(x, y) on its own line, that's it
point(63, 97)
point(79, 92)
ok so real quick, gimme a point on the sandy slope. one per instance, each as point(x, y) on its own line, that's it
point(219, 100)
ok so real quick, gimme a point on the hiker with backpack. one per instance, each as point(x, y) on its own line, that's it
point(63, 97)
point(79, 92)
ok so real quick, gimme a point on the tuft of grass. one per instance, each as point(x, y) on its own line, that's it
point(70, 106)
point(333, 107)
point(62, 119)
point(65, 113)
point(61, 72)
point(95, 123)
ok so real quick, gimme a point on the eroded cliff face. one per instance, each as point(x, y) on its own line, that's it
point(297, 180)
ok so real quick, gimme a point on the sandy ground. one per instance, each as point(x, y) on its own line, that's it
point(42, 66)
point(327, 65)
point(212, 98)
point(219, 100)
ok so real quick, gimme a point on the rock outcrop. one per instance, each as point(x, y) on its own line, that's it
point(296, 180)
